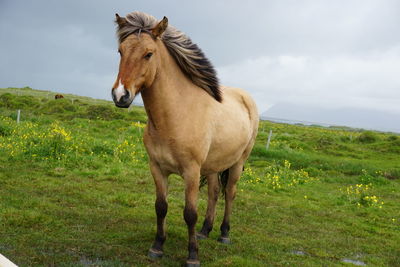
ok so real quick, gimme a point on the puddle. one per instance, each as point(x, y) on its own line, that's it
point(355, 262)
point(299, 252)
point(89, 262)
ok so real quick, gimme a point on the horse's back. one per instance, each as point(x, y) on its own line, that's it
point(242, 98)
point(239, 107)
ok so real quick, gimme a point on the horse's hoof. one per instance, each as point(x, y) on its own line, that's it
point(201, 236)
point(192, 263)
point(224, 240)
point(155, 254)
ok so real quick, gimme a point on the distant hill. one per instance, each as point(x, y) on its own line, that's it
point(352, 117)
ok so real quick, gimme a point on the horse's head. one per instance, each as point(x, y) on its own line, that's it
point(138, 64)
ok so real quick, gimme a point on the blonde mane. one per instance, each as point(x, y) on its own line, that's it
point(187, 54)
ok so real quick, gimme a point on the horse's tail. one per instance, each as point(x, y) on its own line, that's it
point(222, 179)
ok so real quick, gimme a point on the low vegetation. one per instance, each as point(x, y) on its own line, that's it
point(75, 190)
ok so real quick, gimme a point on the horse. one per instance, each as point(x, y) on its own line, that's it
point(58, 96)
point(196, 127)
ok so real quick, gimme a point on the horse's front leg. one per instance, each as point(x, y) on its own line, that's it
point(161, 205)
point(192, 181)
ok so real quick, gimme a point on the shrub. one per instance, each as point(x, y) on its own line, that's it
point(377, 179)
point(102, 112)
point(6, 100)
point(5, 128)
point(325, 141)
point(18, 102)
point(57, 106)
point(368, 137)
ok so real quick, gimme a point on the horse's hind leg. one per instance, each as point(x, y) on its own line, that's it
point(230, 192)
point(213, 190)
point(161, 206)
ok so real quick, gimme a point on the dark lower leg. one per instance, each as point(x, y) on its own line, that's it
point(161, 206)
point(230, 194)
point(225, 227)
point(190, 215)
point(229, 197)
point(192, 181)
point(213, 190)
point(206, 228)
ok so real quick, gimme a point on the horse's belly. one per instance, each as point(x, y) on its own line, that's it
point(230, 140)
point(215, 164)
point(224, 155)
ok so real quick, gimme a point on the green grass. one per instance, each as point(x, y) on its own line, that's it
point(75, 190)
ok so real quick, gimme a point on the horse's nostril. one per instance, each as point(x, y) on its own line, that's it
point(127, 95)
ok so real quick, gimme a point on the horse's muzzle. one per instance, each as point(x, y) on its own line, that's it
point(121, 99)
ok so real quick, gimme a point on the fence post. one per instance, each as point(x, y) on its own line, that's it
point(18, 115)
point(269, 138)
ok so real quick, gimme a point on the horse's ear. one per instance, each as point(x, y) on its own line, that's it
point(160, 28)
point(121, 21)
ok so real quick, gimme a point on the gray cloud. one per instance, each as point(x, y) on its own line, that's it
point(370, 81)
point(322, 53)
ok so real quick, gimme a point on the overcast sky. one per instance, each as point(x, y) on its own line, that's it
point(328, 54)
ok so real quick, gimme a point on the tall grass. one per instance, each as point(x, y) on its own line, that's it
point(75, 190)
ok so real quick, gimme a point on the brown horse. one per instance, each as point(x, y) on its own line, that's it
point(195, 126)
point(58, 96)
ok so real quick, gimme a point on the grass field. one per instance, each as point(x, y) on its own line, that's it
point(75, 190)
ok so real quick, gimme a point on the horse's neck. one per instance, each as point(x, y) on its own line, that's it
point(169, 97)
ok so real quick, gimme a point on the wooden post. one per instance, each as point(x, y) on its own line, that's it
point(269, 138)
point(18, 115)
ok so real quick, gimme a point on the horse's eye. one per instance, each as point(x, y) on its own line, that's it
point(120, 53)
point(148, 55)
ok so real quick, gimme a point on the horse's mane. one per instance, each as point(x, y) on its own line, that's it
point(187, 54)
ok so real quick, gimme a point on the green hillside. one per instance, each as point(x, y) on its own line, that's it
point(75, 190)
